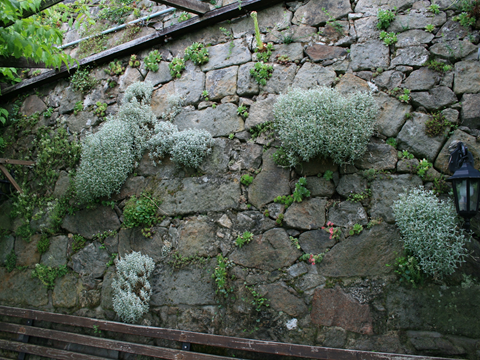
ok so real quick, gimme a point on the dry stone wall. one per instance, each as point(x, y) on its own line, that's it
point(351, 299)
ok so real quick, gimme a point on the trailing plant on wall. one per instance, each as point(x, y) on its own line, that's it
point(324, 122)
point(131, 288)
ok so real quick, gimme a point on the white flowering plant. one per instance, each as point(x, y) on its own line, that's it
point(324, 122)
point(430, 231)
point(191, 147)
point(161, 143)
point(131, 288)
point(142, 91)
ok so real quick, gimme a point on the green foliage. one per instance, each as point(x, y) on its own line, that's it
point(77, 107)
point(78, 243)
point(116, 11)
point(328, 175)
point(440, 186)
point(423, 167)
point(115, 68)
point(140, 212)
point(392, 142)
point(430, 232)
point(133, 62)
point(280, 157)
point(265, 54)
point(101, 236)
point(429, 28)
point(48, 113)
point(405, 97)
point(388, 38)
point(198, 53)
point(261, 72)
point(242, 111)
point(48, 274)
point(354, 197)
point(385, 18)
point(300, 191)
point(323, 122)
point(287, 200)
point(184, 16)
point(246, 179)
point(438, 66)
point(11, 261)
point(434, 8)
point(295, 242)
point(244, 239)
point(357, 229)
point(465, 19)
point(111, 262)
point(374, 222)
point(280, 218)
point(82, 81)
point(152, 60)
point(43, 244)
point(220, 276)
point(179, 262)
point(260, 129)
point(176, 67)
point(313, 259)
point(436, 125)
point(25, 231)
point(408, 270)
point(205, 95)
point(100, 109)
point(405, 155)
point(258, 300)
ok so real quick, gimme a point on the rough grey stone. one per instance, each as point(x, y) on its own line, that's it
point(408, 166)
point(318, 186)
point(130, 76)
point(297, 269)
point(441, 163)
point(411, 56)
point(192, 195)
point(57, 252)
point(261, 191)
point(453, 50)
point(413, 38)
point(307, 215)
point(316, 241)
point(19, 289)
point(366, 28)
point(370, 55)
point(191, 85)
point(312, 14)
point(132, 186)
point(196, 237)
point(62, 185)
point(250, 155)
point(389, 79)
point(161, 76)
point(391, 114)
point(282, 300)
point(67, 291)
point(347, 213)
point(378, 157)
point(293, 51)
point(282, 78)
point(224, 55)
point(133, 240)
point(7, 244)
point(316, 166)
point(270, 251)
point(89, 222)
point(451, 114)
point(363, 255)
point(353, 183)
point(319, 52)
point(217, 161)
point(452, 30)
point(261, 111)
point(313, 75)
point(421, 79)
point(33, 104)
point(221, 121)
point(386, 191)
point(416, 20)
point(253, 221)
point(471, 110)
point(107, 290)
point(27, 252)
point(370, 8)
point(221, 83)
point(91, 261)
point(435, 98)
point(246, 84)
point(413, 138)
point(467, 77)
point(162, 98)
point(83, 119)
point(351, 84)
point(67, 100)
point(433, 341)
point(191, 286)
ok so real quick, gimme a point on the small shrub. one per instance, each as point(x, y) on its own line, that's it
point(161, 143)
point(328, 175)
point(405, 155)
point(323, 122)
point(48, 274)
point(131, 288)
point(220, 276)
point(430, 232)
point(436, 125)
point(265, 54)
point(405, 97)
point(100, 109)
point(300, 191)
point(357, 197)
point(152, 60)
point(313, 259)
point(408, 270)
point(198, 53)
point(176, 67)
point(388, 38)
point(115, 68)
point(392, 142)
point(191, 147)
point(261, 72)
point(141, 91)
point(385, 18)
point(133, 62)
point(429, 28)
point(334, 232)
point(205, 95)
point(78, 243)
point(43, 244)
point(423, 167)
point(438, 66)
point(242, 111)
point(434, 8)
point(77, 107)
point(465, 19)
point(244, 239)
point(82, 81)
point(357, 229)
point(440, 186)
point(140, 212)
point(246, 179)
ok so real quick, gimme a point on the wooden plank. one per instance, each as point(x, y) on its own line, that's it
point(271, 347)
point(185, 27)
point(45, 4)
point(11, 179)
point(16, 162)
point(123, 346)
point(51, 353)
point(193, 6)
point(21, 63)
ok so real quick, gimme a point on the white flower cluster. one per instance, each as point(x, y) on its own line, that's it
point(142, 91)
point(430, 233)
point(323, 122)
point(187, 148)
point(131, 288)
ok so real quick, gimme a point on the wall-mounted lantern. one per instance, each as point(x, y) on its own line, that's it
point(466, 183)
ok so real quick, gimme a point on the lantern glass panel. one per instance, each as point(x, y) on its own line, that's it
point(461, 187)
point(473, 194)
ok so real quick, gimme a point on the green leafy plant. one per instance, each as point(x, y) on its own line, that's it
point(282, 59)
point(260, 129)
point(184, 16)
point(258, 300)
point(323, 122)
point(133, 62)
point(440, 186)
point(115, 68)
point(258, 38)
point(152, 60)
point(429, 28)
point(265, 54)
point(385, 18)
point(48, 274)
point(374, 222)
point(140, 211)
point(358, 197)
point(328, 175)
point(300, 191)
point(78, 107)
point(334, 232)
point(261, 72)
point(436, 125)
point(405, 97)
point(295, 242)
point(245, 238)
point(388, 38)
point(287, 200)
point(246, 179)
point(242, 111)
point(423, 167)
point(465, 19)
point(96, 330)
point(392, 142)
point(280, 218)
point(430, 231)
point(205, 95)
point(408, 270)
point(111, 262)
point(198, 53)
point(434, 8)
point(438, 66)
point(405, 155)
point(78, 243)
point(357, 229)
point(220, 276)
point(11, 261)
point(100, 109)
point(82, 81)
point(313, 259)
point(43, 244)
point(48, 113)
point(226, 33)
point(176, 67)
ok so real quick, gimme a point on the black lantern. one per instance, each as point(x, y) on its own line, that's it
point(466, 183)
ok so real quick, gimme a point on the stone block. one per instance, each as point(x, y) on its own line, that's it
point(306, 215)
point(372, 54)
point(221, 83)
